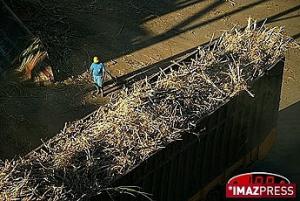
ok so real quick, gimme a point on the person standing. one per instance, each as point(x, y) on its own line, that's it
point(97, 69)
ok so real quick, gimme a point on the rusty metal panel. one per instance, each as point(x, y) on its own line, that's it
point(177, 172)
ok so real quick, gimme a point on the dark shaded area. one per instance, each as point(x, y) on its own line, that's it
point(154, 68)
point(28, 115)
point(115, 11)
point(274, 18)
point(59, 26)
point(284, 156)
point(125, 19)
point(92, 34)
point(285, 18)
point(296, 36)
point(183, 26)
point(13, 37)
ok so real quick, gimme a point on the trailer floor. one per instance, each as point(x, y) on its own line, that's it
point(132, 35)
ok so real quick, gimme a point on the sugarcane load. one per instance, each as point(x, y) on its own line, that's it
point(89, 154)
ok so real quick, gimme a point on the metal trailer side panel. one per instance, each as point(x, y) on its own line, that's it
point(177, 172)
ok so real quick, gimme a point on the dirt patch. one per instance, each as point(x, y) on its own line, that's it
point(89, 154)
point(127, 35)
point(29, 114)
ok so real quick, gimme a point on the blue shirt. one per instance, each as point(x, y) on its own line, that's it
point(97, 69)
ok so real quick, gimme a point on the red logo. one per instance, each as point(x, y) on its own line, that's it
point(260, 185)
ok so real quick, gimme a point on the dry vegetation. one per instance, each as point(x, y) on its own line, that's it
point(49, 21)
point(88, 154)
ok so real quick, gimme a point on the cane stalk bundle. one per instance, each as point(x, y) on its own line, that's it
point(89, 154)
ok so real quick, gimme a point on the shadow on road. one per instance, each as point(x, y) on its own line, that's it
point(114, 28)
point(284, 155)
point(111, 28)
